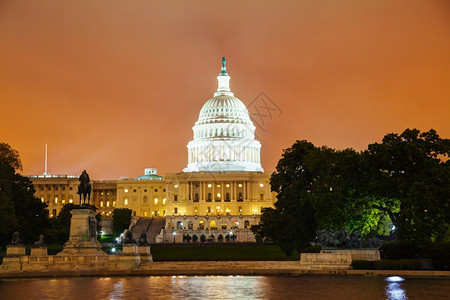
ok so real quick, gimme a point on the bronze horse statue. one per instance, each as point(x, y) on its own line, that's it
point(84, 188)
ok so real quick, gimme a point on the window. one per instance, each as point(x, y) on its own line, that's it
point(175, 210)
point(175, 186)
point(164, 190)
point(227, 197)
point(190, 225)
point(156, 190)
point(56, 200)
point(261, 185)
point(56, 187)
point(70, 200)
point(156, 201)
point(107, 203)
point(227, 185)
point(155, 213)
point(53, 213)
point(164, 201)
point(247, 224)
point(201, 225)
point(240, 185)
point(209, 198)
point(70, 188)
point(208, 209)
point(196, 197)
point(126, 202)
point(175, 197)
point(134, 191)
point(101, 203)
point(212, 225)
point(224, 225)
point(240, 209)
point(218, 197)
point(145, 191)
point(210, 185)
point(240, 197)
point(144, 200)
point(126, 190)
point(179, 225)
point(145, 213)
point(261, 197)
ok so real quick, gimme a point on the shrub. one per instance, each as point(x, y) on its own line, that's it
point(398, 264)
point(227, 237)
point(188, 238)
point(202, 238)
point(440, 254)
point(312, 249)
point(194, 238)
point(362, 265)
point(220, 238)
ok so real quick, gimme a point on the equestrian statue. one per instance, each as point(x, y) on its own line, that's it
point(84, 188)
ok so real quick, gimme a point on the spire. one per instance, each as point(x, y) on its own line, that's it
point(224, 81)
point(224, 68)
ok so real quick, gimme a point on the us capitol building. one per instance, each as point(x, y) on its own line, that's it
point(220, 192)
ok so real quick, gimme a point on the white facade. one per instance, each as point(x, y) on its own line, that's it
point(224, 135)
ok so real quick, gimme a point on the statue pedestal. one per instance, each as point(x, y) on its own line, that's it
point(129, 259)
point(357, 254)
point(83, 235)
point(41, 251)
point(144, 252)
point(15, 250)
point(129, 249)
point(12, 260)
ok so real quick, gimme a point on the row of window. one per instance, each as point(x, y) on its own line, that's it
point(212, 225)
point(145, 190)
point(218, 197)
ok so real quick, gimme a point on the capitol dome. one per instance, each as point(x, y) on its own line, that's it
point(224, 135)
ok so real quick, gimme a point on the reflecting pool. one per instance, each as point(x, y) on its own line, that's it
point(225, 287)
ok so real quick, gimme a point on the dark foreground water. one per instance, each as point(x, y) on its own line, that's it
point(224, 287)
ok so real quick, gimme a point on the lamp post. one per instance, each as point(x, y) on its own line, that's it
point(174, 233)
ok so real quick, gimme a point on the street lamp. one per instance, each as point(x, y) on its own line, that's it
point(174, 233)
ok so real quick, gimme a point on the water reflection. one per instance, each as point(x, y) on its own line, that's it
point(224, 287)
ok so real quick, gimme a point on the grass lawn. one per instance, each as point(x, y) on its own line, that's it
point(199, 252)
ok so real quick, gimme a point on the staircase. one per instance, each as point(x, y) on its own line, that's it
point(151, 226)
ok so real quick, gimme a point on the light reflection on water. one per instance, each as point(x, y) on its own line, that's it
point(224, 287)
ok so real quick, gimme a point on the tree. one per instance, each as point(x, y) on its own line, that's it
point(121, 219)
point(19, 208)
point(403, 181)
point(413, 167)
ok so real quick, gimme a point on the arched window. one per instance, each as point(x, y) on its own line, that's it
point(224, 225)
point(212, 225)
point(247, 224)
point(190, 225)
point(179, 225)
point(201, 225)
point(240, 196)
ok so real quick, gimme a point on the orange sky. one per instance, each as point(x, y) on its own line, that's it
point(116, 86)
